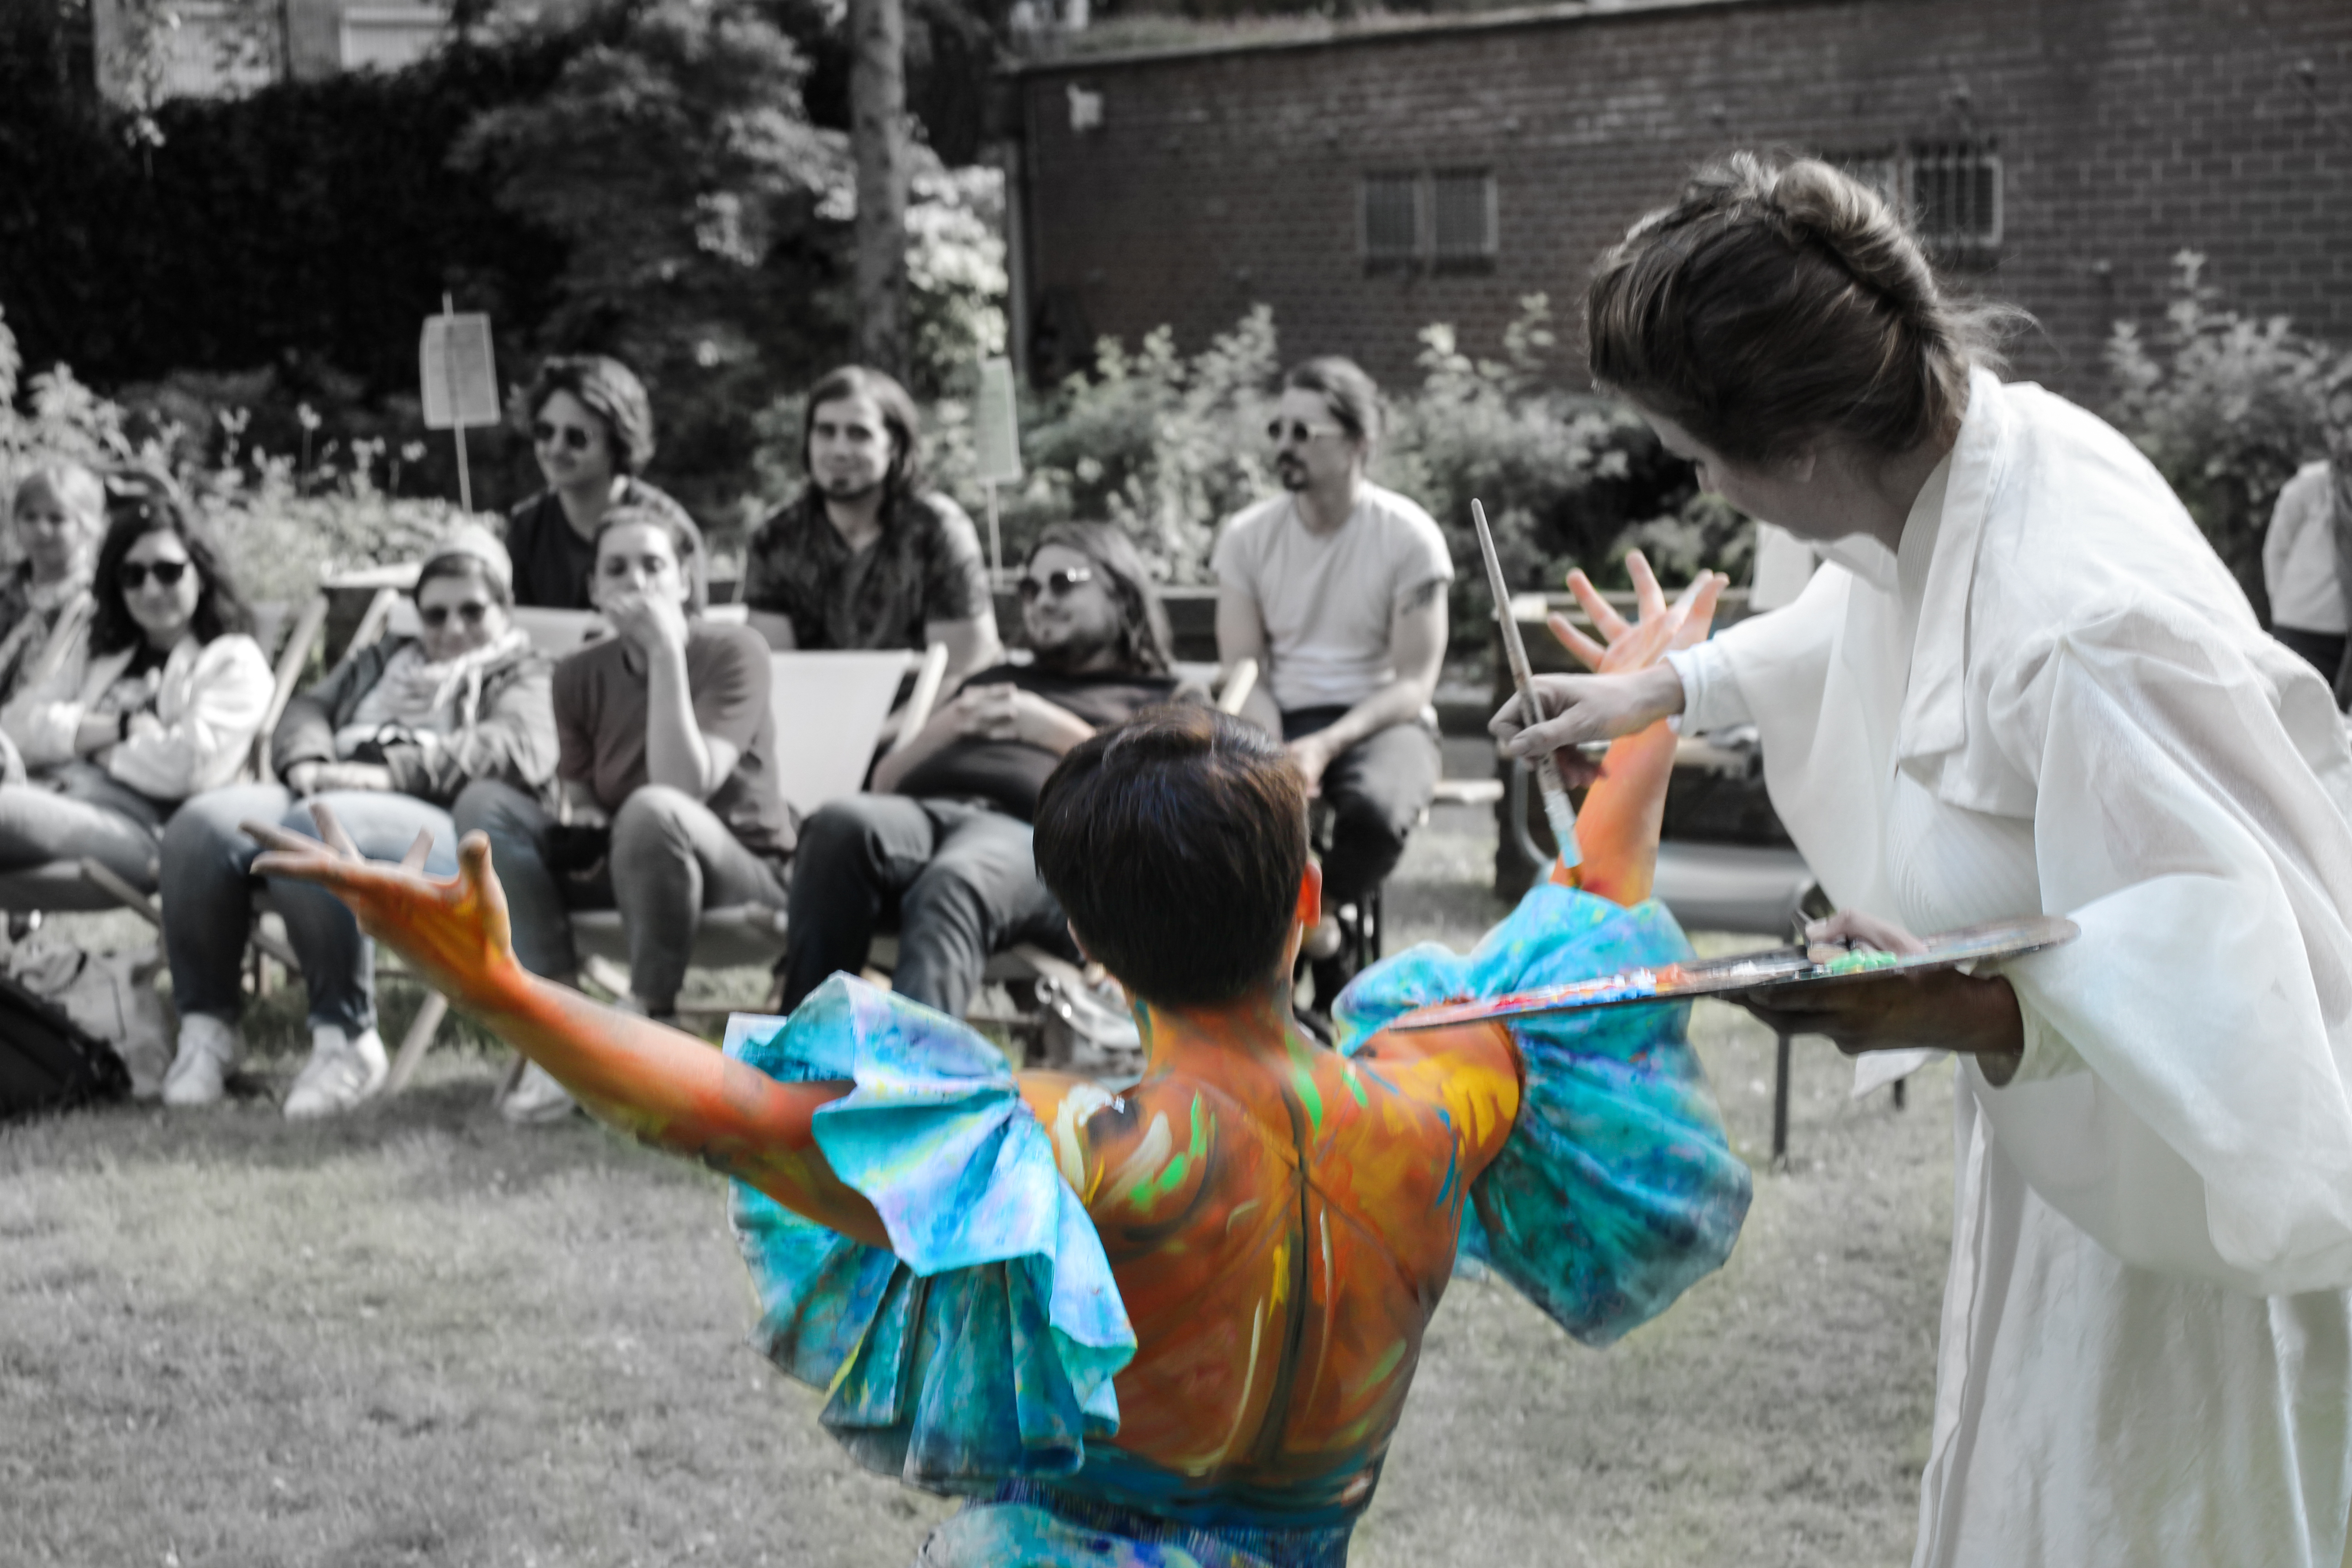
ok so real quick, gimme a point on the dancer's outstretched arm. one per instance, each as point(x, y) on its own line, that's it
point(1617, 827)
point(657, 1084)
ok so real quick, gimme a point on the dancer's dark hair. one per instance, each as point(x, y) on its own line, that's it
point(1175, 844)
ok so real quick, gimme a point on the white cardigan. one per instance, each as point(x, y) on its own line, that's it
point(211, 702)
point(2056, 700)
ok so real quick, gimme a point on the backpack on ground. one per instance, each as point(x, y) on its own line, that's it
point(47, 1062)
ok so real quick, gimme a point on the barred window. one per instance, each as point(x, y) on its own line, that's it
point(1392, 208)
point(1464, 202)
point(1956, 194)
point(1949, 190)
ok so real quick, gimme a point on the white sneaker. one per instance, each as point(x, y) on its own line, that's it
point(340, 1074)
point(537, 1099)
point(209, 1050)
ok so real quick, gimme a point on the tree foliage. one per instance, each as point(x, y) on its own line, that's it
point(2227, 406)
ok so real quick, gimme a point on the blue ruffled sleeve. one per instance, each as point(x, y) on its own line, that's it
point(982, 1346)
point(1617, 1189)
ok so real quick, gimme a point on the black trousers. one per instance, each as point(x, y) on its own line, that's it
point(1377, 789)
point(958, 878)
point(2325, 652)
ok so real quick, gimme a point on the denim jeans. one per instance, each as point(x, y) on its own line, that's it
point(208, 887)
point(961, 879)
point(671, 858)
point(81, 811)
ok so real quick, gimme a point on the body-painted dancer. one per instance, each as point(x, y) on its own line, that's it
point(1173, 1326)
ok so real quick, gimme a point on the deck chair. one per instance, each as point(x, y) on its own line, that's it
point(830, 709)
point(62, 886)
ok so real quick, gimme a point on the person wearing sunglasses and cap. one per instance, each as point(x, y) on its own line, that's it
point(591, 430)
point(943, 841)
point(1336, 588)
point(387, 740)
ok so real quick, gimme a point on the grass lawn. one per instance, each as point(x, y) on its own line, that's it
point(419, 1336)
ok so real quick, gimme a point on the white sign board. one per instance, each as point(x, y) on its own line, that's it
point(454, 368)
point(995, 428)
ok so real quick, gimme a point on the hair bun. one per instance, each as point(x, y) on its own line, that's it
point(1855, 224)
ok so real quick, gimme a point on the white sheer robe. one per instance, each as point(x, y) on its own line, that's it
point(2054, 699)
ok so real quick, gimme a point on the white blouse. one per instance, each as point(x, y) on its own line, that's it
point(2054, 699)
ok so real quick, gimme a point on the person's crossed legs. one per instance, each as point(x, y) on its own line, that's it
point(962, 878)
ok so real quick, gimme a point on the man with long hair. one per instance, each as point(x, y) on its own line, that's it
point(866, 556)
point(1337, 587)
point(943, 842)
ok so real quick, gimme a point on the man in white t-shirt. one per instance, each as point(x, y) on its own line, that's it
point(2305, 551)
point(1337, 587)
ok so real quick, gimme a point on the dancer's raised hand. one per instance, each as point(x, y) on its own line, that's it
point(1658, 628)
point(1633, 689)
point(453, 934)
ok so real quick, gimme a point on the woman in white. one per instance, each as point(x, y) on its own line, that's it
point(2025, 684)
point(161, 701)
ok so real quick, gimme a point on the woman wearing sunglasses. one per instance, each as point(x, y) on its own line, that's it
point(160, 702)
point(592, 429)
point(387, 740)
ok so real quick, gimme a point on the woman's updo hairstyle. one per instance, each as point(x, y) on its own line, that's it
point(1776, 304)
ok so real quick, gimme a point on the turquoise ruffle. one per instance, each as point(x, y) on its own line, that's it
point(984, 1344)
point(1617, 1189)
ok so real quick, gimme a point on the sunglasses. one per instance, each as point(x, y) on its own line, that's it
point(1054, 583)
point(438, 616)
point(1297, 433)
point(572, 436)
point(134, 575)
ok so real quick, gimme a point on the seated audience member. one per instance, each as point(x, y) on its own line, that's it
point(386, 741)
point(591, 430)
point(866, 557)
point(668, 765)
point(2304, 552)
point(1337, 587)
point(943, 842)
point(58, 514)
point(162, 702)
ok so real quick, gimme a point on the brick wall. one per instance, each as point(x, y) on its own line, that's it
point(2128, 130)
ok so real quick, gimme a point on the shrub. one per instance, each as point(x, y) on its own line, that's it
point(1167, 445)
point(282, 526)
point(2227, 407)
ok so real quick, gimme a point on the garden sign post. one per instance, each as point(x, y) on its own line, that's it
point(996, 446)
point(459, 380)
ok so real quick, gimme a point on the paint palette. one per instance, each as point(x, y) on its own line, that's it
point(1777, 968)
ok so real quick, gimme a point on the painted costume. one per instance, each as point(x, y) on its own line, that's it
point(1191, 1343)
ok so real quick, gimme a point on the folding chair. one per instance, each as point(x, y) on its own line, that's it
point(63, 887)
point(830, 709)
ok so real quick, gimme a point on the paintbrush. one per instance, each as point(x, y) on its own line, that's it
point(1556, 810)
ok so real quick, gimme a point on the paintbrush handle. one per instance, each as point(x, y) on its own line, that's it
point(1558, 813)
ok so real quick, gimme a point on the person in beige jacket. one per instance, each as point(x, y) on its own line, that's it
point(162, 702)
